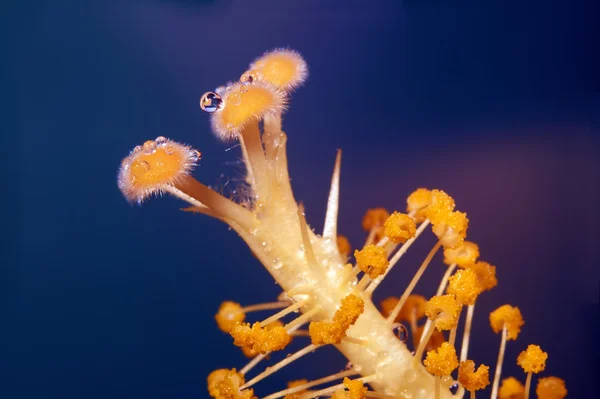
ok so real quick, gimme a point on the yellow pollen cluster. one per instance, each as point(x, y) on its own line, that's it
point(225, 384)
point(343, 245)
point(442, 361)
point(486, 275)
point(533, 359)
point(443, 310)
point(260, 339)
point(251, 353)
point(372, 260)
point(230, 314)
point(511, 388)
point(355, 390)
point(464, 284)
point(399, 227)
point(441, 205)
point(374, 218)
point(508, 316)
point(332, 332)
point(418, 202)
point(551, 388)
point(463, 256)
point(414, 307)
point(471, 379)
point(451, 228)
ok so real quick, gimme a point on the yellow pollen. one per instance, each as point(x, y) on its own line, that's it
point(230, 314)
point(471, 379)
point(464, 284)
point(533, 359)
point(511, 388)
point(463, 256)
point(343, 245)
point(551, 388)
point(261, 339)
point(441, 362)
point(443, 310)
point(418, 202)
point(508, 316)
point(372, 260)
point(399, 227)
point(414, 307)
point(225, 384)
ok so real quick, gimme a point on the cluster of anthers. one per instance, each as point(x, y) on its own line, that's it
point(322, 287)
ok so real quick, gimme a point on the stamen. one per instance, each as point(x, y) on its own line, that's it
point(284, 312)
point(396, 258)
point(270, 370)
point(265, 306)
point(413, 282)
point(302, 319)
point(257, 359)
point(464, 349)
point(310, 384)
point(498, 371)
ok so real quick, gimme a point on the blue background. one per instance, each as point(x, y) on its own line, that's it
point(496, 103)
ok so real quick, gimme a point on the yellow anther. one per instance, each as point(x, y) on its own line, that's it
point(414, 307)
point(442, 361)
point(508, 316)
point(284, 69)
point(533, 359)
point(486, 274)
point(250, 352)
point(451, 228)
point(441, 205)
point(225, 384)
point(355, 390)
point(399, 227)
point(343, 245)
point(464, 284)
point(374, 218)
point(230, 314)
point(511, 388)
point(326, 332)
point(418, 202)
point(471, 379)
point(435, 341)
point(443, 310)
point(260, 339)
point(372, 260)
point(463, 256)
point(351, 308)
point(332, 332)
point(551, 388)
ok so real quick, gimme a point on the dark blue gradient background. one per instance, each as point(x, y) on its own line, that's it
point(495, 103)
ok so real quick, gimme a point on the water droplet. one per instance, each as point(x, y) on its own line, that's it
point(210, 102)
point(137, 148)
point(139, 167)
point(454, 388)
point(243, 88)
point(160, 140)
point(196, 155)
point(230, 126)
point(234, 99)
point(149, 147)
point(400, 331)
point(349, 366)
point(169, 150)
point(248, 77)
